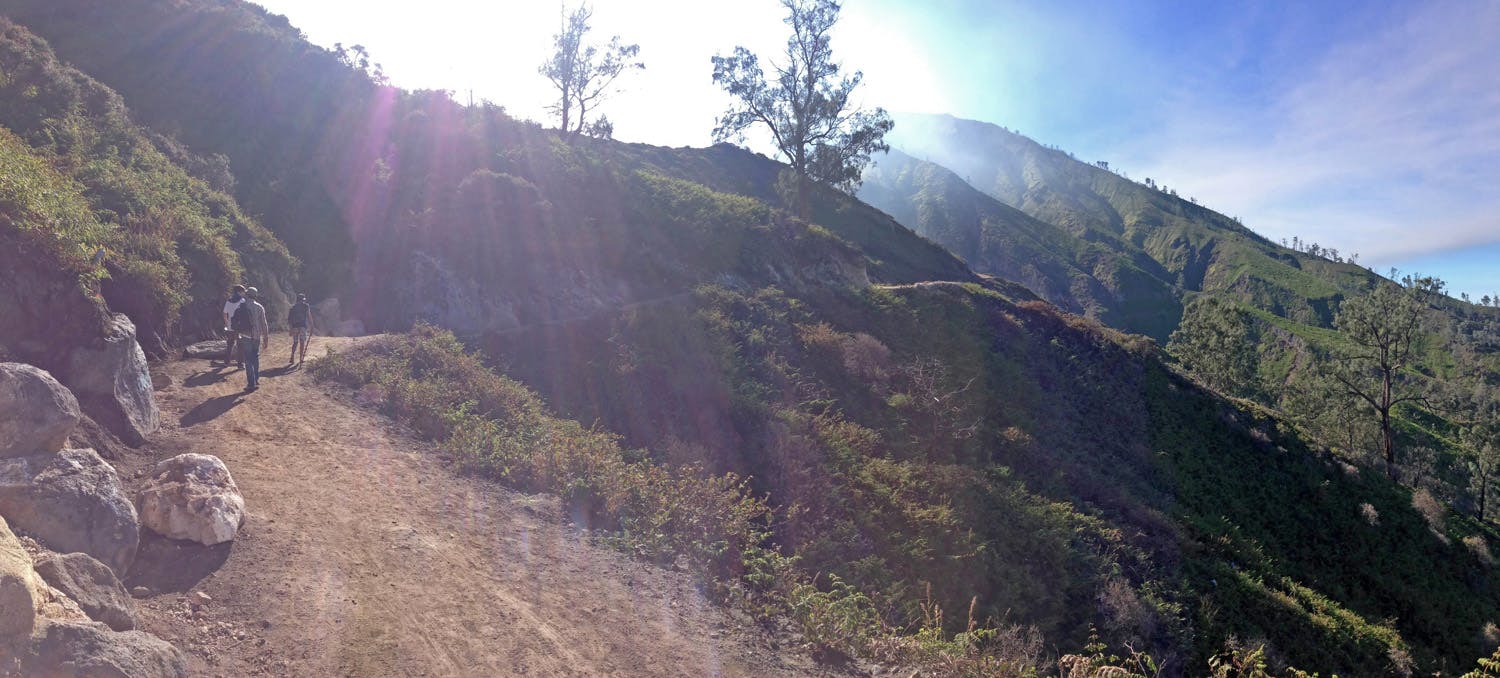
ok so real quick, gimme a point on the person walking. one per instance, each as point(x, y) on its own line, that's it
point(299, 323)
point(236, 297)
point(255, 335)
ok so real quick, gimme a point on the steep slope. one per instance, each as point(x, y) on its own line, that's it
point(364, 556)
point(328, 158)
point(1094, 277)
point(918, 443)
point(172, 243)
point(1183, 246)
point(99, 216)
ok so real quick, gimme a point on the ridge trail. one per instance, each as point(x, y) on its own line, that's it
point(363, 555)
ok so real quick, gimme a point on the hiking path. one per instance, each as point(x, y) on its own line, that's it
point(363, 555)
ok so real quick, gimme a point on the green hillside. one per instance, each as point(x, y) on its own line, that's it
point(97, 208)
point(1095, 276)
point(834, 422)
point(1181, 247)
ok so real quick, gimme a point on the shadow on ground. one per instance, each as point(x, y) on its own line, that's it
point(279, 371)
point(173, 566)
point(207, 377)
point(210, 409)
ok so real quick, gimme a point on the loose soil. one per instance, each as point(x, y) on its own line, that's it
point(363, 555)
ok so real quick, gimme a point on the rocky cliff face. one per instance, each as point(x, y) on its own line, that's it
point(52, 321)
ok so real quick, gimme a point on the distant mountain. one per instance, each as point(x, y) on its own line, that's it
point(1162, 245)
point(1101, 278)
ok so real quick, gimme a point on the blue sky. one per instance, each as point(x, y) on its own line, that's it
point(1372, 127)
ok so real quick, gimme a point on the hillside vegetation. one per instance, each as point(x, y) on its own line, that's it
point(834, 420)
point(1086, 274)
point(1144, 243)
point(93, 198)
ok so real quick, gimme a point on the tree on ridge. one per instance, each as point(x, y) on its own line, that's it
point(585, 74)
point(806, 106)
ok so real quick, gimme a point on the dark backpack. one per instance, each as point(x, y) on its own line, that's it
point(297, 317)
point(240, 321)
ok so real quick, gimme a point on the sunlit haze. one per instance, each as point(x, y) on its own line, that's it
point(1369, 127)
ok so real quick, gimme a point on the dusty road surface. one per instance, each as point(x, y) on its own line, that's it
point(364, 556)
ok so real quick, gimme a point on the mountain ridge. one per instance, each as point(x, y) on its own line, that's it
point(1183, 247)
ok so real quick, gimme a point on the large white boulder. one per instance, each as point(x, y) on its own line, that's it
point(19, 596)
point(36, 412)
point(192, 496)
point(71, 500)
point(113, 382)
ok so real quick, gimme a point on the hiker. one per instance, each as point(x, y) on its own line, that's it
point(299, 323)
point(236, 297)
point(249, 322)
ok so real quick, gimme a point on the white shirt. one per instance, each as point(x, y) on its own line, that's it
point(231, 305)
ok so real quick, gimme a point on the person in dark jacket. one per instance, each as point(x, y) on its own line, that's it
point(299, 323)
point(254, 338)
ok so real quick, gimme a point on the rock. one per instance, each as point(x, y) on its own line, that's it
point(72, 501)
point(93, 436)
point(88, 649)
point(36, 412)
point(57, 606)
point(140, 592)
point(202, 598)
point(92, 585)
point(212, 349)
point(19, 597)
point(192, 496)
point(113, 382)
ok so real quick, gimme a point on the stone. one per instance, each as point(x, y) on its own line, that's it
point(212, 349)
point(92, 585)
point(57, 606)
point(113, 382)
point(140, 592)
point(19, 597)
point(92, 435)
point(88, 649)
point(36, 412)
point(192, 496)
point(71, 501)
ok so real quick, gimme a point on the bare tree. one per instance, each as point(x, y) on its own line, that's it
point(806, 107)
point(584, 74)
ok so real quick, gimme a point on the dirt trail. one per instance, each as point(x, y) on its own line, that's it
point(364, 556)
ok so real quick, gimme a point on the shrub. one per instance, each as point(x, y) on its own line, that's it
point(1480, 549)
point(496, 427)
point(1432, 511)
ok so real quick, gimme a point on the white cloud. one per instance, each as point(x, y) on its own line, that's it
point(1386, 145)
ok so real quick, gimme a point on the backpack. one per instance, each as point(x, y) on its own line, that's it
point(297, 317)
point(240, 321)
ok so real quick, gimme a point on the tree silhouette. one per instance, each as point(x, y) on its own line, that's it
point(805, 106)
point(584, 74)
